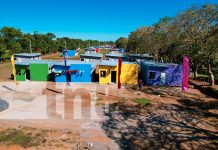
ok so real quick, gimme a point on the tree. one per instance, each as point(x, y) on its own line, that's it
point(121, 42)
point(14, 41)
point(198, 27)
point(193, 32)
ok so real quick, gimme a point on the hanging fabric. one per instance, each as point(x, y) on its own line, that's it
point(119, 72)
point(185, 74)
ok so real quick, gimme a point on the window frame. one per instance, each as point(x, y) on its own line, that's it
point(102, 75)
point(151, 74)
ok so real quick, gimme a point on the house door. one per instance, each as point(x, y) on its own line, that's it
point(162, 78)
point(28, 74)
point(113, 76)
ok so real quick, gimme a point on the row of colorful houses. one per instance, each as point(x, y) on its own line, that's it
point(93, 68)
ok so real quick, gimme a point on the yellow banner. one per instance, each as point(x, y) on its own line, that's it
point(13, 67)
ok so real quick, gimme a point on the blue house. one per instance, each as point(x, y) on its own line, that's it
point(60, 74)
point(82, 73)
point(153, 73)
point(69, 53)
point(74, 71)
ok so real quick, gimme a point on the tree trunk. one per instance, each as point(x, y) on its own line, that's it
point(211, 76)
point(195, 73)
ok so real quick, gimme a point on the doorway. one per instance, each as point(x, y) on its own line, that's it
point(28, 74)
point(113, 76)
point(162, 78)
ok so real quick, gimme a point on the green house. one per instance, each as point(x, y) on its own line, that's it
point(39, 72)
point(20, 72)
point(35, 70)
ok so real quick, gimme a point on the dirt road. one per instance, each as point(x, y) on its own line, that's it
point(107, 118)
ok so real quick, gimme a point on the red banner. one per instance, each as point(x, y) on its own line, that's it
point(119, 72)
point(97, 50)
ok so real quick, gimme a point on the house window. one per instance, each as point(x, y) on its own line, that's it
point(103, 74)
point(18, 72)
point(152, 75)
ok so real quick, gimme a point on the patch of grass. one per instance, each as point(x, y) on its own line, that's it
point(18, 137)
point(142, 101)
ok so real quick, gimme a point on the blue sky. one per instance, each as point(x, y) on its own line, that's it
point(88, 19)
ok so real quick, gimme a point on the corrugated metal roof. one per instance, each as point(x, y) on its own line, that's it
point(153, 63)
point(58, 63)
point(27, 63)
point(91, 49)
point(139, 55)
point(116, 55)
point(92, 55)
point(108, 63)
point(112, 63)
point(70, 62)
point(27, 55)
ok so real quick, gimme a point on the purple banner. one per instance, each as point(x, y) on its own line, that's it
point(185, 74)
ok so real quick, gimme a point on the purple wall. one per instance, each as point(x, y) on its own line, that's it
point(157, 70)
point(173, 75)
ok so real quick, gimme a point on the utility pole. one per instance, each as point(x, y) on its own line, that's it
point(30, 46)
point(65, 43)
point(89, 47)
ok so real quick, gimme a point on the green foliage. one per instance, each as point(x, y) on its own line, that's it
point(142, 101)
point(193, 32)
point(15, 41)
point(121, 42)
point(14, 136)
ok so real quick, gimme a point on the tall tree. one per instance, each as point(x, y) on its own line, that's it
point(121, 42)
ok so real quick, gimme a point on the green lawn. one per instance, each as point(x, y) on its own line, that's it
point(14, 136)
point(142, 101)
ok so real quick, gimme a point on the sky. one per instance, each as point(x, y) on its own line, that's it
point(89, 19)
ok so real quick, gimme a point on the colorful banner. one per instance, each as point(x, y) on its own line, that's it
point(13, 67)
point(185, 74)
point(97, 50)
point(119, 72)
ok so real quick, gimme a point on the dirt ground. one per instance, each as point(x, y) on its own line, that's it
point(5, 72)
point(174, 120)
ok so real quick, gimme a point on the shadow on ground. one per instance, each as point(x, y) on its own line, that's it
point(186, 125)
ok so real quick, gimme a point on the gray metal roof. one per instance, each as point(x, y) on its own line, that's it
point(70, 62)
point(27, 55)
point(57, 63)
point(116, 55)
point(27, 63)
point(153, 63)
point(69, 50)
point(92, 55)
point(90, 49)
point(140, 55)
point(112, 63)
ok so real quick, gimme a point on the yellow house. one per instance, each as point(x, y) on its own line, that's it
point(108, 72)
